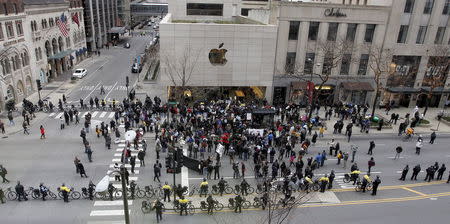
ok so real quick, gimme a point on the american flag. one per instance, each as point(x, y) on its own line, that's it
point(62, 24)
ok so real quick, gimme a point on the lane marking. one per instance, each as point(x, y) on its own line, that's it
point(392, 187)
point(110, 90)
point(103, 114)
point(111, 115)
point(129, 178)
point(111, 203)
point(51, 114)
point(94, 114)
point(92, 90)
point(107, 213)
point(126, 165)
point(59, 115)
point(118, 160)
point(414, 191)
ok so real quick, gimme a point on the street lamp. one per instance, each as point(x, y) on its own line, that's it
point(124, 193)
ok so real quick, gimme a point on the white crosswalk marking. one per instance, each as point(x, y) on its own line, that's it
point(111, 115)
point(126, 165)
point(120, 154)
point(59, 115)
point(111, 203)
point(106, 222)
point(94, 114)
point(107, 213)
point(130, 178)
point(102, 114)
point(129, 170)
point(84, 114)
point(51, 114)
point(118, 160)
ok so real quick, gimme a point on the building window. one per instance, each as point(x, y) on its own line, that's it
point(370, 30)
point(50, 22)
point(332, 31)
point(409, 6)
point(5, 8)
point(290, 62)
point(439, 35)
point(402, 34)
point(446, 9)
point(327, 63)
point(313, 30)
point(309, 63)
point(345, 65)
point(351, 32)
point(428, 7)
point(293, 30)
point(9, 30)
point(200, 9)
point(1, 32)
point(19, 28)
point(421, 34)
point(363, 62)
point(244, 12)
point(36, 52)
point(15, 8)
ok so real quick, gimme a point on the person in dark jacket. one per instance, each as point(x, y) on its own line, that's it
point(441, 172)
point(331, 179)
point(20, 192)
point(81, 170)
point(404, 172)
point(132, 163)
point(416, 171)
point(375, 184)
point(432, 137)
point(371, 147)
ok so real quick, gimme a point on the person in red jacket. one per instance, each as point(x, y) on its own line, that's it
point(42, 132)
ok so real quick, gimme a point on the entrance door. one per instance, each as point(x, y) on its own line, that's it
point(404, 99)
point(279, 95)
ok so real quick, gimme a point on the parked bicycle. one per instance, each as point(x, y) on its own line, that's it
point(190, 207)
point(147, 206)
point(74, 195)
point(217, 206)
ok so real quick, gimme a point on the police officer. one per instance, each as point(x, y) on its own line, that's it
point(331, 179)
point(111, 189)
point(43, 190)
point(210, 202)
point(238, 203)
point(307, 181)
point(375, 184)
point(404, 172)
point(132, 189)
point(166, 189)
point(222, 183)
point(158, 206)
point(244, 187)
point(65, 192)
point(204, 187)
point(21, 192)
point(416, 171)
point(366, 180)
point(183, 205)
point(323, 183)
point(91, 189)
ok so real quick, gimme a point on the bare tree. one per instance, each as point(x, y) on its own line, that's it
point(334, 53)
point(179, 69)
point(437, 69)
point(380, 62)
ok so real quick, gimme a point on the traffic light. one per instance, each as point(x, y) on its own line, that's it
point(168, 162)
point(180, 157)
point(38, 83)
point(127, 81)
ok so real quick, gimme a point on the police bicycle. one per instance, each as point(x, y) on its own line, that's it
point(147, 206)
point(215, 189)
point(190, 207)
point(216, 205)
point(75, 195)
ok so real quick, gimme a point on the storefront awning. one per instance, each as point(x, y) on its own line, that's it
point(239, 93)
point(298, 85)
point(402, 90)
point(357, 86)
point(61, 54)
point(435, 90)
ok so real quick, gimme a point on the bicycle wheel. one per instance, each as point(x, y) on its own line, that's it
point(218, 206)
point(215, 191)
point(11, 196)
point(230, 206)
point(35, 195)
point(60, 195)
point(346, 180)
point(140, 193)
point(228, 190)
point(145, 208)
point(176, 208)
point(358, 188)
point(315, 187)
point(192, 192)
point(75, 195)
point(149, 194)
point(259, 191)
point(203, 207)
point(191, 209)
point(250, 190)
point(256, 204)
point(369, 187)
point(118, 194)
point(52, 195)
point(100, 196)
point(246, 205)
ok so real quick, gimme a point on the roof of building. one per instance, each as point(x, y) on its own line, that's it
point(148, 2)
point(44, 2)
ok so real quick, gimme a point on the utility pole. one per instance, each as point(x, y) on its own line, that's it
point(124, 195)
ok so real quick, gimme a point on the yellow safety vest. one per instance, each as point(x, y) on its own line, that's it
point(324, 179)
point(64, 189)
point(166, 187)
point(204, 183)
point(183, 201)
point(309, 180)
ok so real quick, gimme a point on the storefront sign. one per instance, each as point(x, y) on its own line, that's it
point(9, 43)
point(334, 12)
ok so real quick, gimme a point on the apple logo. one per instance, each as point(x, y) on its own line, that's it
point(217, 55)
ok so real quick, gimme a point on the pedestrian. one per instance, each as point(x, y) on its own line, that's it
point(25, 128)
point(43, 190)
point(62, 123)
point(354, 150)
point(2, 127)
point(3, 173)
point(375, 185)
point(243, 170)
point(441, 172)
point(404, 172)
point(126, 174)
point(432, 137)
point(419, 145)
point(42, 132)
point(217, 170)
point(97, 131)
point(91, 190)
point(11, 118)
point(331, 179)
point(89, 152)
point(132, 163)
point(20, 191)
point(157, 171)
point(398, 150)
point(117, 172)
point(416, 171)
point(158, 206)
point(108, 141)
point(448, 180)
point(342, 156)
point(332, 146)
point(370, 164)
point(371, 147)
point(111, 190)
point(2, 196)
point(81, 170)
point(141, 156)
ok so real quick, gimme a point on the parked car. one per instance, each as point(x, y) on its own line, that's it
point(136, 68)
point(79, 73)
point(126, 45)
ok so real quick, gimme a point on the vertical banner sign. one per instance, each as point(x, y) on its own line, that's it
point(310, 90)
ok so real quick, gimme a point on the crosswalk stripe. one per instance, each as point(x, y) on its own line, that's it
point(111, 115)
point(129, 178)
point(107, 213)
point(59, 115)
point(120, 154)
point(84, 114)
point(118, 160)
point(111, 203)
point(129, 170)
point(51, 114)
point(123, 145)
point(94, 114)
point(126, 165)
point(131, 148)
point(103, 114)
point(106, 222)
